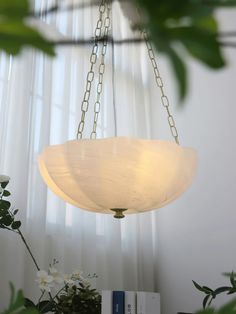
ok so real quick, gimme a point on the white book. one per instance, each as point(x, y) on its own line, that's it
point(106, 302)
point(148, 303)
point(130, 302)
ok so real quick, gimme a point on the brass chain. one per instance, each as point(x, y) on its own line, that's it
point(101, 71)
point(164, 98)
point(90, 75)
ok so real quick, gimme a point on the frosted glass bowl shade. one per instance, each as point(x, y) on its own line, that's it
point(120, 172)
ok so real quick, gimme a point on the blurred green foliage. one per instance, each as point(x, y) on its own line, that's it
point(175, 27)
point(17, 302)
point(229, 308)
point(15, 31)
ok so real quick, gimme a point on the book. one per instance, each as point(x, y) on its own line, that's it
point(148, 303)
point(130, 302)
point(106, 302)
point(118, 302)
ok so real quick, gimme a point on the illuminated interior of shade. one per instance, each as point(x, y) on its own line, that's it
point(119, 172)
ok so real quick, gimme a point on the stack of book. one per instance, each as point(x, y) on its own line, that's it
point(130, 302)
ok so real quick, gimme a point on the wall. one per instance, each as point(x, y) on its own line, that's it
point(197, 233)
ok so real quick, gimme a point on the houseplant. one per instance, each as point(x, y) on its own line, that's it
point(210, 294)
point(64, 294)
point(60, 293)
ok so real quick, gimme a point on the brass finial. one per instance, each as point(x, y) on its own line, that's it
point(118, 212)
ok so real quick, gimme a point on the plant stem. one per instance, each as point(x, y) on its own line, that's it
point(50, 295)
point(53, 298)
point(4, 227)
point(28, 249)
point(210, 301)
point(59, 292)
point(41, 297)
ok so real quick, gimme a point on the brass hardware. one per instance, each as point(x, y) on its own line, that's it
point(119, 212)
point(159, 81)
point(103, 25)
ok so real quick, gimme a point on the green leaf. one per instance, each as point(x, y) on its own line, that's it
point(229, 308)
point(29, 303)
point(6, 193)
point(232, 290)
point(221, 290)
point(15, 35)
point(15, 211)
point(4, 184)
point(81, 284)
point(221, 3)
point(5, 204)
point(180, 72)
point(14, 8)
point(229, 274)
point(16, 305)
point(201, 45)
point(7, 220)
point(232, 279)
point(198, 286)
point(206, 311)
point(16, 225)
point(45, 306)
point(204, 304)
point(207, 289)
point(3, 212)
point(208, 23)
point(191, 24)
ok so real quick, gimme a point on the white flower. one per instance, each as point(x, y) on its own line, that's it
point(4, 178)
point(77, 275)
point(57, 276)
point(68, 279)
point(44, 280)
point(86, 282)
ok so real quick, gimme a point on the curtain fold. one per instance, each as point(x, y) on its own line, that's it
point(40, 101)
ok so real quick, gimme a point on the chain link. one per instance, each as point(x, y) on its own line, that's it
point(90, 75)
point(101, 71)
point(159, 82)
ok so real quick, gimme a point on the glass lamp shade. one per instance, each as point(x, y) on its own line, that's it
point(132, 174)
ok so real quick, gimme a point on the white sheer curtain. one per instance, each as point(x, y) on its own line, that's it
point(40, 105)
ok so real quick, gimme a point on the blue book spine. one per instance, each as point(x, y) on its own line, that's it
point(118, 302)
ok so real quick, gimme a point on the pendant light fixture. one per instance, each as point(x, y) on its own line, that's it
point(117, 175)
